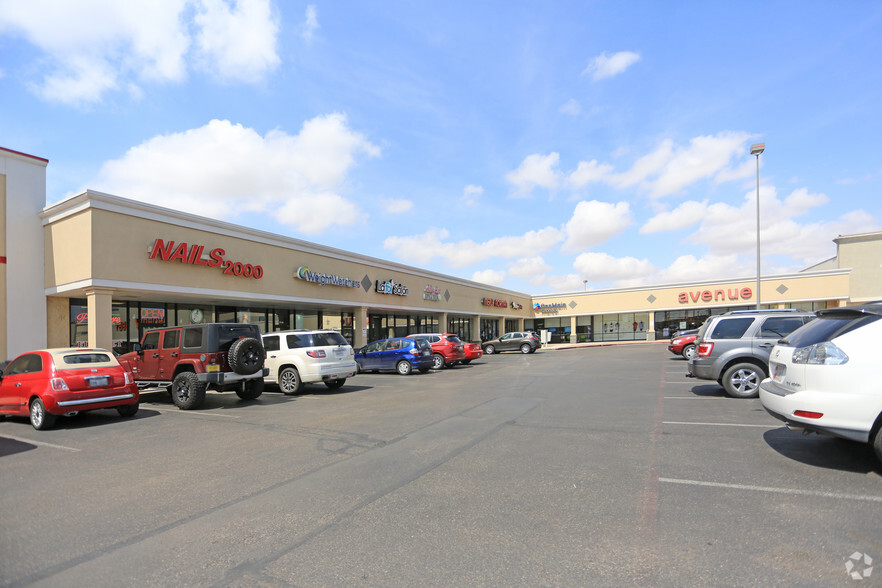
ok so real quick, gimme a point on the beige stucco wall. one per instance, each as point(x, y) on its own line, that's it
point(3, 334)
point(863, 255)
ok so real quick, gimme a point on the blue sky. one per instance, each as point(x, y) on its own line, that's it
point(527, 145)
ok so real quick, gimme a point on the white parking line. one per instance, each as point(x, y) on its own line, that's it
point(695, 398)
point(41, 443)
point(772, 426)
point(794, 491)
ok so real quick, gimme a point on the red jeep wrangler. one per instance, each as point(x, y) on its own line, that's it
point(187, 360)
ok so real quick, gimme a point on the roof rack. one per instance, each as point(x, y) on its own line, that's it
point(774, 310)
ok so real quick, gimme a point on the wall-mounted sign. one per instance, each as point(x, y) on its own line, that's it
point(514, 305)
point(304, 273)
point(553, 307)
point(195, 255)
point(718, 295)
point(432, 293)
point(390, 287)
point(494, 302)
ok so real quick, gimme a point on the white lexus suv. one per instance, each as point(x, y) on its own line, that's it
point(304, 356)
point(824, 377)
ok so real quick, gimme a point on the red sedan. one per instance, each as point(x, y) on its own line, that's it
point(52, 382)
point(684, 344)
point(472, 351)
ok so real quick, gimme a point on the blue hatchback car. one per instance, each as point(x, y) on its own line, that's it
point(399, 354)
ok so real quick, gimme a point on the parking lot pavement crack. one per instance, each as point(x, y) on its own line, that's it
point(268, 524)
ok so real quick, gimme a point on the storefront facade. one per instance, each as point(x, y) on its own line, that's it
point(97, 270)
point(115, 267)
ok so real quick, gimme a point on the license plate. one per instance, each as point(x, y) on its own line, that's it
point(97, 381)
point(212, 367)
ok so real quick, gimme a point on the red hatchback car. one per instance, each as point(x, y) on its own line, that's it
point(472, 351)
point(684, 343)
point(52, 382)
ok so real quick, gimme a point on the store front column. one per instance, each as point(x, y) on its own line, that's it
point(442, 322)
point(361, 327)
point(99, 304)
point(650, 330)
point(475, 328)
point(573, 337)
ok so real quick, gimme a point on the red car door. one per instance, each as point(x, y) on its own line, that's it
point(22, 378)
point(168, 353)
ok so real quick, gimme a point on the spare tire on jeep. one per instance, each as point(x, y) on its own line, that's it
point(246, 356)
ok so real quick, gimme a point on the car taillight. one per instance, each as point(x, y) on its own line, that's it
point(704, 349)
point(414, 351)
point(317, 354)
point(806, 414)
point(825, 353)
point(58, 385)
point(129, 378)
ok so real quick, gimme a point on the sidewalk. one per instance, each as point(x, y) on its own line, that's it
point(560, 346)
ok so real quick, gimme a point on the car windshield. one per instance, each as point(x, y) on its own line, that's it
point(68, 361)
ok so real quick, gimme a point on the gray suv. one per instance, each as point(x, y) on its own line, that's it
point(734, 348)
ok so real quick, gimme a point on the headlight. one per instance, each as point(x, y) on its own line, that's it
point(825, 353)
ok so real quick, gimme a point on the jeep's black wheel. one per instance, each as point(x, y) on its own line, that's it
point(466, 361)
point(423, 370)
point(40, 419)
point(490, 349)
point(437, 361)
point(187, 391)
point(742, 380)
point(289, 381)
point(129, 410)
point(335, 384)
point(250, 389)
point(246, 356)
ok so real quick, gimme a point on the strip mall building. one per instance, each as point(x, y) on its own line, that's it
point(96, 270)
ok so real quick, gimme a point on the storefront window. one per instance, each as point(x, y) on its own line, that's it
point(252, 317)
point(584, 331)
point(462, 326)
point(306, 320)
point(489, 329)
point(79, 323)
point(189, 314)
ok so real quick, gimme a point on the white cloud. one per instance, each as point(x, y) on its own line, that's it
point(594, 222)
point(566, 283)
point(238, 43)
point(396, 205)
point(571, 107)
point(490, 277)
point(688, 213)
point(310, 23)
point(688, 268)
point(93, 47)
point(432, 244)
point(645, 166)
point(222, 169)
point(705, 157)
point(530, 268)
point(470, 194)
point(535, 171)
point(606, 66)
point(588, 171)
point(601, 267)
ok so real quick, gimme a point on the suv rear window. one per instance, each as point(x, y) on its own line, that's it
point(228, 333)
point(315, 340)
point(453, 339)
point(731, 328)
point(827, 328)
point(193, 337)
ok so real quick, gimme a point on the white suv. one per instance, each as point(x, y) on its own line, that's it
point(825, 376)
point(303, 356)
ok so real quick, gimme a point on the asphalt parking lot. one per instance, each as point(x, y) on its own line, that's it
point(573, 467)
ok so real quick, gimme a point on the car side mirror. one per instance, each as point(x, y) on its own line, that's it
point(137, 348)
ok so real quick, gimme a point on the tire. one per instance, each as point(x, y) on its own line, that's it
point(466, 361)
point(335, 384)
point(250, 389)
point(403, 367)
point(526, 348)
point(490, 349)
point(246, 356)
point(423, 370)
point(437, 361)
point(40, 419)
point(877, 444)
point(187, 391)
point(688, 352)
point(289, 381)
point(129, 410)
point(742, 380)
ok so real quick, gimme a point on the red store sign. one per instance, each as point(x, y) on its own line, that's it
point(494, 302)
point(194, 255)
point(718, 295)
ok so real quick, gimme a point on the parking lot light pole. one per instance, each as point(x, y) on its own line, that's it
point(756, 149)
